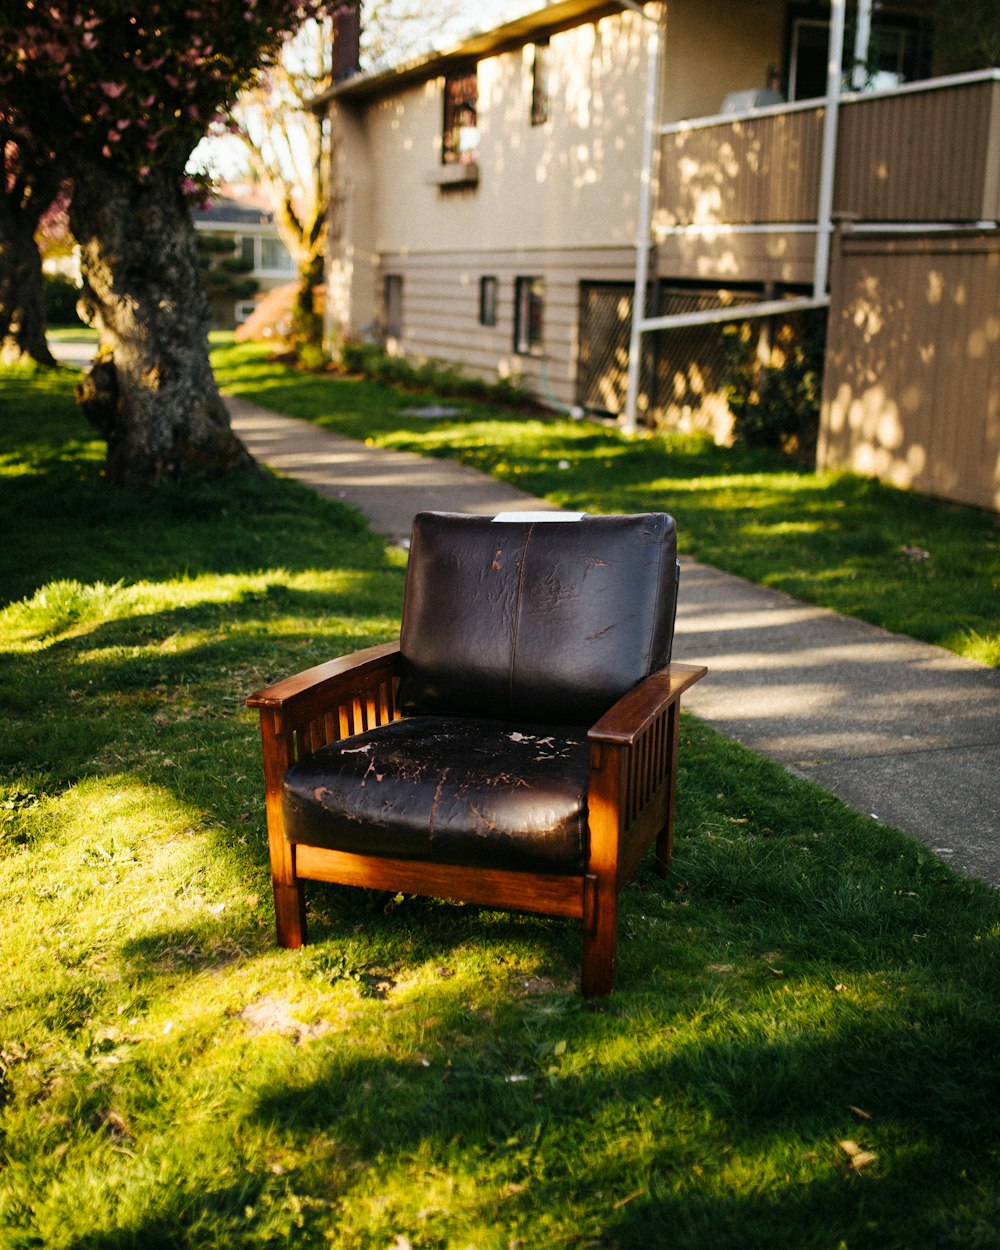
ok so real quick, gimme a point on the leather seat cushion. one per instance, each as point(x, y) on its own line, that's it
point(451, 790)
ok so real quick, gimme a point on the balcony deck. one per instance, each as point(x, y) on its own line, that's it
point(738, 194)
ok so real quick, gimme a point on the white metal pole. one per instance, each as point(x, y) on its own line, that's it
point(828, 168)
point(862, 42)
point(644, 227)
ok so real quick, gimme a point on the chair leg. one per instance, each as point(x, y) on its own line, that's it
point(664, 847)
point(290, 914)
point(289, 896)
point(600, 937)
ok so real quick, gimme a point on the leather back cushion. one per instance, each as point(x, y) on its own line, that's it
point(537, 620)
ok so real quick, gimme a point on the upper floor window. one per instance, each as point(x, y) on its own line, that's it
point(460, 134)
point(897, 53)
point(529, 306)
point(540, 84)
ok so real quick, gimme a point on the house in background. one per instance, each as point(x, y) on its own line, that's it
point(498, 205)
point(245, 245)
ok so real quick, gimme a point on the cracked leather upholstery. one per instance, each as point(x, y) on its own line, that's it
point(447, 789)
point(545, 621)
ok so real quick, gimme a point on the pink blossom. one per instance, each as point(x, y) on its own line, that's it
point(112, 89)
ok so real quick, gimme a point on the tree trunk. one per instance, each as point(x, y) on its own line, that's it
point(22, 298)
point(151, 394)
point(307, 323)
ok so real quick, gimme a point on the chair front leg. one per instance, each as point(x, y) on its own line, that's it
point(600, 886)
point(600, 937)
point(289, 895)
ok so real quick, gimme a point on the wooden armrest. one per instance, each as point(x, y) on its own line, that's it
point(626, 720)
point(308, 693)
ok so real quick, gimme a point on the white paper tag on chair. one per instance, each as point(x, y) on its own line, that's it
point(539, 516)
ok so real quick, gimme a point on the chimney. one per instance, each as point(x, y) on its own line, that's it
point(346, 41)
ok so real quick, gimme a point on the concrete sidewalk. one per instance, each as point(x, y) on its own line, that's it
point(900, 730)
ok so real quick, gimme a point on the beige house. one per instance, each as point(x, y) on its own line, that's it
point(247, 229)
point(499, 203)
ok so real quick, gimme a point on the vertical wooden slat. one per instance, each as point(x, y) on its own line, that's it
point(665, 840)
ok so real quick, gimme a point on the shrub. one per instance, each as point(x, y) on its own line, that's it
point(777, 404)
point(372, 360)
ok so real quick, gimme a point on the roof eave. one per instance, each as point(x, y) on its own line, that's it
point(518, 31)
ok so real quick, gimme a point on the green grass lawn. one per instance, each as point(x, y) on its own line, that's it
point(911, 564)
point(803, 1052)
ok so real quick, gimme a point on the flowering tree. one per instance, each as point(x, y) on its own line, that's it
point(120, 95)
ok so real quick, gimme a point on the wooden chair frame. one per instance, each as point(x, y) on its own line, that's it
point(633, 761)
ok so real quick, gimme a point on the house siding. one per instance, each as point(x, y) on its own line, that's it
point(912, 380)
point(546, 182)
point(441, 309)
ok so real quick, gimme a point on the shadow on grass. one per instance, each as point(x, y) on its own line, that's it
point(798, 963)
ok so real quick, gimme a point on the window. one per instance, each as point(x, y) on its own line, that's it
point(810, 50)
point(540, 85)
point(897, 53)
point(460, 135)
point(890, 54)
point(487, 301)
point(273, 256)
point(392, 305)
point(529, 304)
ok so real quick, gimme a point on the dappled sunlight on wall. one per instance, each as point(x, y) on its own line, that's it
point(717, 180)
point(912, 389)
point(590, 140)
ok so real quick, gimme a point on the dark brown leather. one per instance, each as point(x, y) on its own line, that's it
point(450, 790)
point(534, 621)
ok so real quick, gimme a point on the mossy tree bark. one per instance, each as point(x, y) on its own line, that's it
point(151, 393)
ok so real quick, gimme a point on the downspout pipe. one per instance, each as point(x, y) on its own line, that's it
point(828, 159)
point(630, 424)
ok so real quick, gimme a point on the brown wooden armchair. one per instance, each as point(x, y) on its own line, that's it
point(515, 748)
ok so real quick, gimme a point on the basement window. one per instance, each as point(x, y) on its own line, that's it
point(392, 305)
point(529, 307)
point(487, 300)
